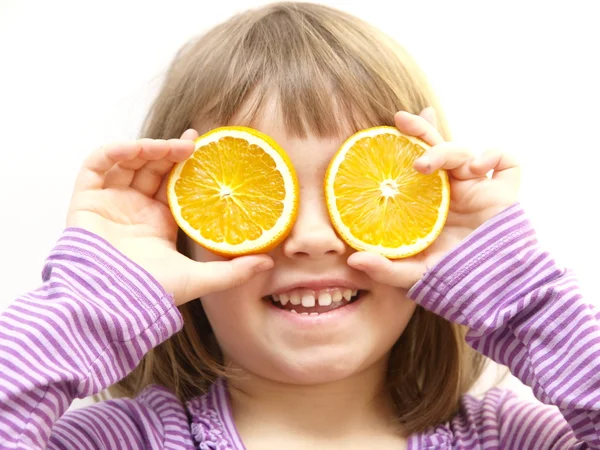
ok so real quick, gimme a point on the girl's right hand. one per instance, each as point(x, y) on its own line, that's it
point(120, 195)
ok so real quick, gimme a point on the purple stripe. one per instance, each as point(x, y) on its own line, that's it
point(486, 311)
point(223, 406)
point(43, 418)
point(34, 437)
point(100, 379)
point(494, 231)
point(472, 246)
point(565, 340)
point(82, 346)
point(22, 408)
point(545, 428)
point(86, 289)
point(113, 292)
point(136, 274)
point(54, 327)
point(118, 426)
point(503, 272)
point(494, 274)
point(91, 429)
point(572, 383)
point(527, 418)
point(547, 364)
point(554, 319)
point(88, 308)
point(129, 426)
point(101, 330)
point(27, 374)
point(61, 433)
point(108, 287)
point(502, 336)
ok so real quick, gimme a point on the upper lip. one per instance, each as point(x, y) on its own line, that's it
point(316, 284)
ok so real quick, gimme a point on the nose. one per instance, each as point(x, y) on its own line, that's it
point(313, 235)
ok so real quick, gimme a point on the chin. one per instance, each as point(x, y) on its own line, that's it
point(317, 363)
point(325, 366)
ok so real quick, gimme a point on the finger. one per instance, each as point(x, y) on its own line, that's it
point(159, 155)
point(429, 115)
point(494, 160)
point(95, 166)
point(122, 174)
point(504, 167)
point(189, 135)
point(151, 150)
point(485, 162)
point(447, 156)
point(118, 177)
point(417, 126)
point(400, 273)
point(161, 191)
point(148, 179)
point(209, 277)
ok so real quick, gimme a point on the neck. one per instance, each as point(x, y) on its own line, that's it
point(354, 405)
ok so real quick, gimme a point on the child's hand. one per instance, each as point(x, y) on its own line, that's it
point(475, 198)
point(120, 195)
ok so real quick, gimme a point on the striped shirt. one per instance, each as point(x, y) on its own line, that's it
point(97, 313)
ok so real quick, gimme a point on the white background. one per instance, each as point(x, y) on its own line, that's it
point(520, 75)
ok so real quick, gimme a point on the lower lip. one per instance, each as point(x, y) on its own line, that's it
point(327, 318)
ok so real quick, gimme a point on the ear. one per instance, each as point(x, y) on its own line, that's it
point(429, 115)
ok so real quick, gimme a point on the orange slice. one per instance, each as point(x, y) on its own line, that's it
point(237, 194)
point(377, 201)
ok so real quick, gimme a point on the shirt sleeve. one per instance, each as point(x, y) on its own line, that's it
point(88, 325)
point(526, 312)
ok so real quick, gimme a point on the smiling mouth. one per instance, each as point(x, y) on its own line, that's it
point(313, 303)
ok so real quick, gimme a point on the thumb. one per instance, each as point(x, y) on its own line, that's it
point(402, 273)
point(208, 277)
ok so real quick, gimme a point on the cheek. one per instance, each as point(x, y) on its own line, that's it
point(199, 253)
point(387, 317)
point(234, 317)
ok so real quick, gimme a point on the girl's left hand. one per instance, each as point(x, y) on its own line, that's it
point(475, 198)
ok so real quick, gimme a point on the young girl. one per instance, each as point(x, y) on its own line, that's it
point(198, 351)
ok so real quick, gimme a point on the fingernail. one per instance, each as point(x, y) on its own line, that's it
point(357, 265)
point(264, 265)
point(425, 163)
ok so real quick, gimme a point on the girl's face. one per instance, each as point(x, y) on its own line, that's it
point(258, 336)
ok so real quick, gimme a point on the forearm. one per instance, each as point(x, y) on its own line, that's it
point(85, 328)
point(526, 312)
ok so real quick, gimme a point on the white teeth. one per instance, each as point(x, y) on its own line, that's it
point(325, 299)
point(295, 298)
point(313, 314)
point(337, 296)
point(308, 300)
point(304, 314)
point(294, 311)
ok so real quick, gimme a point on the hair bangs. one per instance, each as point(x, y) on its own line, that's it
point(323, 76)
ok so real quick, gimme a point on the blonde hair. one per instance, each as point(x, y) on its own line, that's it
point(332, 74)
